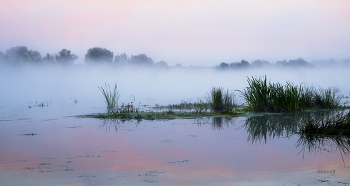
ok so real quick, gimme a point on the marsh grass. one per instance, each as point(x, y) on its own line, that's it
point(111, 98)
point(217, 100)
point(165, 115)
point(199, 106)
point(336, 123)
point(263, 96)
point(221, 101)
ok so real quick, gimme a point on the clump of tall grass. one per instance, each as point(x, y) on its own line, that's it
point(221, 101)
point(111, 97)
point(263, 96)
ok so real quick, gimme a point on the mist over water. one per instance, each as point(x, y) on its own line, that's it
point(144, 86)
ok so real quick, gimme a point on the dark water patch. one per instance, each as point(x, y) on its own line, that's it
point(23, 119)
point(32, 134)
point(75, 127)
point(178, 162)
point(22, 160)
point(48, 158)
point(166, 141)
point(150, 181)
point(51, 119)
point(86, 176)
point(43, 164)
point(28, 168)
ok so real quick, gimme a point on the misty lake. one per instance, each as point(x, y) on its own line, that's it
point(49, 145)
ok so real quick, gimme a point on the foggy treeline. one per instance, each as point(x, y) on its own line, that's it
point(296, 63)
point(22, 55)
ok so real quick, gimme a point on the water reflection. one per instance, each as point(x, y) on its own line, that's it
point(113, 124)
point(260, 128)
point(317, 144)
point(217, 123)
point(109, 124)
point(272, 126)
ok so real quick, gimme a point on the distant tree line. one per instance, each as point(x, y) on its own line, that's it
point(96, 55)
point(300, 62)
point(21, 54)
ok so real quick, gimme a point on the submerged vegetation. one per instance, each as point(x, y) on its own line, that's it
point(273, 97)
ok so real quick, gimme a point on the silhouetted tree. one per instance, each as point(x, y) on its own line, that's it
point(242, 64)
point(178, 65)
point(223, 66)
point(141, 59)
point(161, 64)
point(300, 62)
point(65, 57)
point(260, 63)
point(2, 56)
point(98, 54)
point(121, 58)
point(49, 58)
point(22, 54)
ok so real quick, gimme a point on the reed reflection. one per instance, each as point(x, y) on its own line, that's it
point(109, 124)
point(113, 124)
point(317, 144)
point(217, 123)
point(259, 128)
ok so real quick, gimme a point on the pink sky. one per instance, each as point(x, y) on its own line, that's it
point(191, 32)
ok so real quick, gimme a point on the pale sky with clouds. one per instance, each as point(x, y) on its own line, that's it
point(190, 32)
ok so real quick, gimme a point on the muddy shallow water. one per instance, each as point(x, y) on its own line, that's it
point(261, 150)
point(45, 145)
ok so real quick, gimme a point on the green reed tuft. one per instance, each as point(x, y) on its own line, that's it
point(111, 97)
point(262, 96)
point(221, 101)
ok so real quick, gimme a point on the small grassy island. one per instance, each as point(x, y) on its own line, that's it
point(260, 96)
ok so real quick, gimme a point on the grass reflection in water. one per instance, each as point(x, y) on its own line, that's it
point(316, 144)
point(259, 128)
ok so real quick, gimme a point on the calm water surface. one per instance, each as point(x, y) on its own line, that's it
point(40, 147)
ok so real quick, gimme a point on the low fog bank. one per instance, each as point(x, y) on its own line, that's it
point(61, 85)
point(22, 56)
